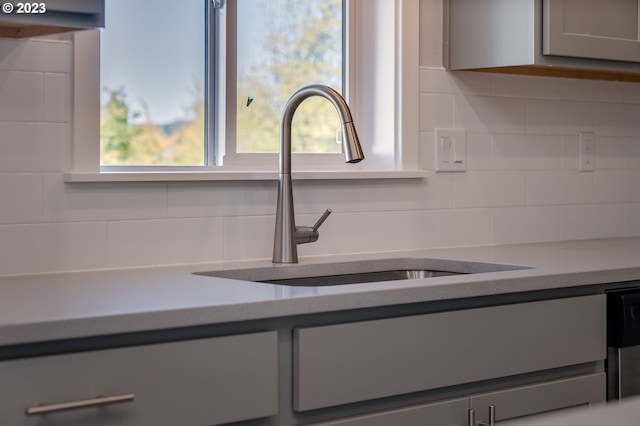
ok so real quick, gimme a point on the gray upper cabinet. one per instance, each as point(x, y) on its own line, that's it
point(566, 38)
point(592, 29)
point(51, 17)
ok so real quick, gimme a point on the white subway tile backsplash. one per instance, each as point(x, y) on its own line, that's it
point(436, 111)
point(315, 197)
point(489, 189)
point(593, 90)
point(588, 221)
point(545, 188)
point(570, 153)
point(478, 151)
point(35, 55)
point(434, 192)
point(457, 82)
point(64, 202)
point(630, 92)
point(616, 119)
point(486, 114)
point(632, 220)
point(366, 232)
point(526, 152)
point(454, 228)
point(22, 96)
point(22, 198)
point(427, 151)
point(37, 248)
point(559, 117)
point(251, 237)
point(526, 224)
point(614, 186)
point(578, 187)
point(559, 187)
point(33, 147)
point(205, 199)
point(161, 242)
point(57, 102)
point(632, 153)
point(610, 152)
point(526, 87)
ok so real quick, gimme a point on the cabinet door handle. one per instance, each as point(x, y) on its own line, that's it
point(492, 417)
point(85, 403)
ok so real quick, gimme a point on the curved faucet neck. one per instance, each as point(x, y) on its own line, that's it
point(290, 108)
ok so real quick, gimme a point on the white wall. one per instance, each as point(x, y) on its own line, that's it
point(522, 184)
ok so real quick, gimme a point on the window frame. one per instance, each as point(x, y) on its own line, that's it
point(394, 155)
point(231, 157)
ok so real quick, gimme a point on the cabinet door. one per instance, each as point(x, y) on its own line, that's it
point(541, 398)
point(447, 413)
point(192, 383)
point(76, 6)
point(594, 29)
point(345, 363)
point(60, 16)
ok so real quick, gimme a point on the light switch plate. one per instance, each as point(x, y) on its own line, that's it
point(451, 150)
point(587, 151)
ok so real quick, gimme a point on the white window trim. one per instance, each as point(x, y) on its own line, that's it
point(385, 108)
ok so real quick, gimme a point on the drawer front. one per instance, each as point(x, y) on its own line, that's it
point(447, 413)
point(354, 362)
point(191, 383)
point(541, 398)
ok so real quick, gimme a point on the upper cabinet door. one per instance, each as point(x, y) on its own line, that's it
point(76, 6)
point(594, 29)
point(50, 17)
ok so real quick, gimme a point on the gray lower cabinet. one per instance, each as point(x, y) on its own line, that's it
point(200, 382)
point(524, 401)
point(361, 361)
point(511, 403)
point(446, 413)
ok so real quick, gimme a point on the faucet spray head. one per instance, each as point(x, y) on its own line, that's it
point(352, 149)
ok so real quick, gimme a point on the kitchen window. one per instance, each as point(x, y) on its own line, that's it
point(266, 53)
point(163, 92)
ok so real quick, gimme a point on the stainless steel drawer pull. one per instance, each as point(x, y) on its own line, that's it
point(95, 402)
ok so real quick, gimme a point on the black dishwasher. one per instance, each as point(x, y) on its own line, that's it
point(623, 341)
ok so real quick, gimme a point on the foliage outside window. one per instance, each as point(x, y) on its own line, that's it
point(154, 68)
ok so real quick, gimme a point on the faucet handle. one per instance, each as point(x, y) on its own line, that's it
point(320, 221)
point(309, 234)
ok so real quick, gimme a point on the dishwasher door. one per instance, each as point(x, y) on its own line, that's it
point(623, 341)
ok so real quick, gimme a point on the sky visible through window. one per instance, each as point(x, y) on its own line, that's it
point(159, 47)
point(153, 77)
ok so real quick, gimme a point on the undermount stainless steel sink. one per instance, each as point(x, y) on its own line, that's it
point(365, 277)
point(359, 272)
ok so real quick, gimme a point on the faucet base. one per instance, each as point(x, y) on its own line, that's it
point(285, 249)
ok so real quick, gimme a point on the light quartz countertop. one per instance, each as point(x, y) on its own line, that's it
point(35, 308)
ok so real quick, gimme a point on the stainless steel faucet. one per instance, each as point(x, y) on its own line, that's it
point(287, 234)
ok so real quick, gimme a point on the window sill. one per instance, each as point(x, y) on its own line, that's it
point(198, 176)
